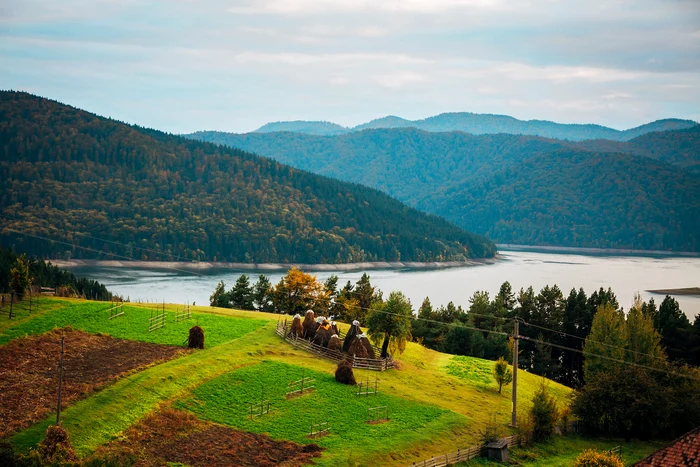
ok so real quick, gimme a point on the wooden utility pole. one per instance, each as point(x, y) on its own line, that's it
point(60, 382)
point(516, 336)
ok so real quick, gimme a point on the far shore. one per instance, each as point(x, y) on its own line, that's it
point(683, 291)
point(212, 266)
point(503, 247)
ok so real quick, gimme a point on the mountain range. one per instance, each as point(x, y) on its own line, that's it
point(480, 124)
point(640, 194)
point(77, 184)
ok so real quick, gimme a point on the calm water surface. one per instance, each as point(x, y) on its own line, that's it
point(625, 274)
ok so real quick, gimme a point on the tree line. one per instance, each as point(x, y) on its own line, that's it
point(18, 272)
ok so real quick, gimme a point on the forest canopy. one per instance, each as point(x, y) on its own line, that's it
point(125, 192)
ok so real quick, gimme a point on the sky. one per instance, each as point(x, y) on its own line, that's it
point(186, 65)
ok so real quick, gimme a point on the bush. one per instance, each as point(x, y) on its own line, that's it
point(593, 458)
point(543, 414)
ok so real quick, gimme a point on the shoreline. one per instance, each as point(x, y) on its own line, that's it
point(213, 266)
point(503, 247)
point(692, 291)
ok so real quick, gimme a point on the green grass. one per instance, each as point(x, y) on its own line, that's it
point(437, 402)
point(93, 317)
point(227, 399)
point(21, 311)
point(562, 451)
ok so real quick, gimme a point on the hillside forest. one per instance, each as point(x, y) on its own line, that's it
point(76, 185)
point(643, 194)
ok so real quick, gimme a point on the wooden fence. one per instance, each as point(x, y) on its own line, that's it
point(465, 454)
point(283, 330)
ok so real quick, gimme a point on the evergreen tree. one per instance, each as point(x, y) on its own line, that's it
point(608, 338)
point(543, 414)
point(675, 329)
point(242, 294)
point(262, 294)
point(220, 297)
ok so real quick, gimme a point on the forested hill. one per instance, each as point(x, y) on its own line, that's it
point(514, 188)
point(483, 124)
point(78, 178)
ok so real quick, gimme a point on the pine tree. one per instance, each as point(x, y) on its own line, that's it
point(242, 294)
point(502, 373)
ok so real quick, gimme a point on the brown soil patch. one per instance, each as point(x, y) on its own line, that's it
point(29, 371)
point(177, 436)
point(377, 422)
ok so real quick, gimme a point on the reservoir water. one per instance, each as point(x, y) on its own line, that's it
point(624, 274)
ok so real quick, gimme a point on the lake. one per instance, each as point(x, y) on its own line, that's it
point(625, 274)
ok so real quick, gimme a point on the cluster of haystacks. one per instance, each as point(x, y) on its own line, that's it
point(350, 336)
point(361, 347)
point(196, 338)
point(344, 373)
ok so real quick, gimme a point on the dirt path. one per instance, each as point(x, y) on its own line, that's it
point(29, 376)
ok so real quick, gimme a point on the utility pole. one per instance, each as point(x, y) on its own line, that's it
point(516, 336)
point(60, 382)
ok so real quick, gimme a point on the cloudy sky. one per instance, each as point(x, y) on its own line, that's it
point(185, 65)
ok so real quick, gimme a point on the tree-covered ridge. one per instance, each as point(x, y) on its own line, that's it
point(82, 179)
point(484, 124)
point(515, 189)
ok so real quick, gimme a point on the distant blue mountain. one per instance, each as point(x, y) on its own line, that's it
point(481, 124)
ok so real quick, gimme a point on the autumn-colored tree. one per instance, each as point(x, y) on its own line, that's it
point(391, 323)
point(298, 291)
point(502, 374)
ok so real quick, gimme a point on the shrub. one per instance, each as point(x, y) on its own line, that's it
point(593, 458)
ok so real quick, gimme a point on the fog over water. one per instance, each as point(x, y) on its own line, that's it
point(624, 274)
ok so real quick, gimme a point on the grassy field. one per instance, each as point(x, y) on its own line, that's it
point(133, 325)
point(437, 402)
point(226, 400)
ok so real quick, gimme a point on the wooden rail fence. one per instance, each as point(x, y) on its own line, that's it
point(283, 330)
point(466, 454)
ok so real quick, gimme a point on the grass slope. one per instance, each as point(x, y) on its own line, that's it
point(437, 402)
point(133, 325)
point(226, 400)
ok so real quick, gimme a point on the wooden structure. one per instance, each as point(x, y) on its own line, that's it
point(376, 364)
point(497, 450)
point(465, 454)
point(116, 310)
point(300, 387)
point(365, 388)
point(377, 414)
point(318, 430)
point(184, 314)
point(157, 319)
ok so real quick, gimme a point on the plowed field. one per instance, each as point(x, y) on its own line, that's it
point(29, 371)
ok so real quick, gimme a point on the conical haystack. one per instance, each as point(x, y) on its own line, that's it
point(56, 446)
point(357, 348)
point(309, 325)
point(334, 343)
point(196, 338)
point(350, 336)
point(368, 346)
point(297, 329)
point(344, 374)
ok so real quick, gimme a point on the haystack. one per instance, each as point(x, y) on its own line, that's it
point(334, 343)
point(334, 328)
point(368, 346)
point(297, 329)
point(196, 338)
point(56, 446)
point(344, 374)
point(350, 336)
point(357, 348)
point(309, 325)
